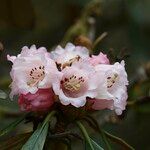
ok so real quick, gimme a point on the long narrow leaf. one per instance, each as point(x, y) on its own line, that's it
point(118, 140)
point(110, 136)
point(105, 139)
point(94, 124)
point(84, 132)
point(37, 140)
point(96, 146)
point(11, 126)
point(15, 142)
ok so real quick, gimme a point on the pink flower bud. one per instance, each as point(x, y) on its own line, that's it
point(42, 100)
point(99, 104)
point(99, 59)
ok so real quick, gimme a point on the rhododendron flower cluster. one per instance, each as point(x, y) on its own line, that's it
point(68, 76)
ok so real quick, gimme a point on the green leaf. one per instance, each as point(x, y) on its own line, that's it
point(108, 135)
point(118, 140)
point(14, 143)
point(93, 145)
point(96, 146)
point(11, 126)
point(37, 140)
point(105, 140)
point(84, 132)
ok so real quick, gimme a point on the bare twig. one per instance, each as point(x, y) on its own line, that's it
point(1, 46)
point(65, 134)
point(99, 39)
point(82, 26)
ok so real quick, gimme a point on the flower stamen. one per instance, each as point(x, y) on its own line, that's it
point(111, 80)
point(69, 63)
point(73, 83)
point(36, 75)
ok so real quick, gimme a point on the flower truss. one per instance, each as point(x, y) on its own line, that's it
point(67, 83)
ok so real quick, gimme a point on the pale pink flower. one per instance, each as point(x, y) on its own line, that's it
point(78, 82)
point(99, 59)
point(99, 104)
point(71, 53)
point(42, 100)
point(31, 70)
point(113, 88)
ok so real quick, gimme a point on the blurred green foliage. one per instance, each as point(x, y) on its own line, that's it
point(45, 23)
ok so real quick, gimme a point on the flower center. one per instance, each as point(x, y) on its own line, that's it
point(111, 80)
point(70, 61)
point(36, 75)
point(73, 83)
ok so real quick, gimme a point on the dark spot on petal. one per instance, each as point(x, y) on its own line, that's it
point(66, 79)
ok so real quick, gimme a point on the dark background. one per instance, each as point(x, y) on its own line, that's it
point(45, 22)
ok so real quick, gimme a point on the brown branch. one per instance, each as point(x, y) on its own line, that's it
point(99, 39)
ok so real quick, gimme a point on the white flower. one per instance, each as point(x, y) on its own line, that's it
point(114, 86)
point(31, 70)
point(77, 83)
point(71, 53)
